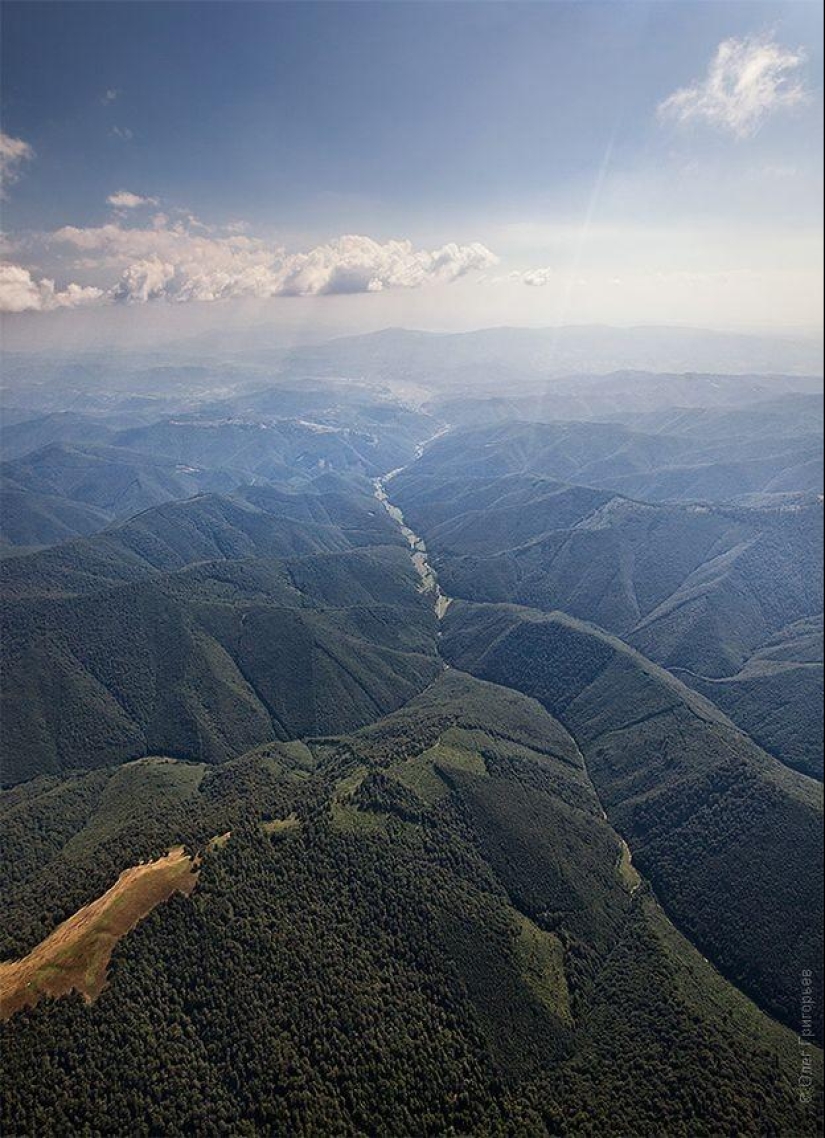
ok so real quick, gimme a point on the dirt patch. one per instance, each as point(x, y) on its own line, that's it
point(76, 955)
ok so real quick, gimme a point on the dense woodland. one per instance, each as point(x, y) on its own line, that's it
point(729, 839)
point(550, 865)
point(464, 957)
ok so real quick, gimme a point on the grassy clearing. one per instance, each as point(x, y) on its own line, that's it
point(456, 749)
point(345, 814)
point(542, 960)
point(281, 825)
point(348, 818)
point(630, 876)
point(218, 842)
point(149, 786)
point(461, 749)
point(300, 754)
point(76, 955)
point(419, 775)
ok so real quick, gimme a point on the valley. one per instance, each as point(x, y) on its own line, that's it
point(412, 569)
point(511, 753)
point(418, 548)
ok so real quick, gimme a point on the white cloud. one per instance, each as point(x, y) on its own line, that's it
point(114, 245)
point(124, 199)
point(359, 264)
point(180, 262)
point(747, 80)
point(144, 280)
point(20, 292)
point(109, 95)
point(183, 261)
point(121, 132)
point(538, 278)
point(13, 151)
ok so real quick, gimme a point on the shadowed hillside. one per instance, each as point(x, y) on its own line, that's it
point(205, 663)
point(728, 837)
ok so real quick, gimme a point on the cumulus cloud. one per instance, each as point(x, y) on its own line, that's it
point(109, 96)
point(537, 278)
point(144, 280)
point(13, 152)
point(20, 292)
point(125, 199)
point(747, 80)
point(184, 261)
point(359, 264)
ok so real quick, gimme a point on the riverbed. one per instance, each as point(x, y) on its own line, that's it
point(418, 549)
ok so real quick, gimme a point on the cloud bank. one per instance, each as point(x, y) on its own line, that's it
point(747, 80)
point(20, 292)
point(183, 261)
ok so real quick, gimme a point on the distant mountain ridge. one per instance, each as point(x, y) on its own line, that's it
point(451, 356)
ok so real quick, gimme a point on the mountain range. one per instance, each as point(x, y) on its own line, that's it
point(478, 733)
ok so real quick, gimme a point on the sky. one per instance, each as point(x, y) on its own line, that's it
point(348, 166)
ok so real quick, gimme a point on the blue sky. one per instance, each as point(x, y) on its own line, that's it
point(541, 133)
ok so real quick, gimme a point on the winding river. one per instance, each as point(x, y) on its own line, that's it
point(418, 549)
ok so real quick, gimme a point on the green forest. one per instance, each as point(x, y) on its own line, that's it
point(385, 754)
point(444, 943)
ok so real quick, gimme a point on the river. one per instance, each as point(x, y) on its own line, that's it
point(418, 549)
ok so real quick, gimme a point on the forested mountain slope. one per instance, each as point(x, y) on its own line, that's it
point(106, 482)
point(325, 516)
point(207, 662)
point(656, 466)
point(442, 830)
point(793, 415)
point(265, 449)
point(777, 695)
point(699, 588)
point(30, 521)
point(730, 839)
point(445, 936)
point(121, 456)
point(26, 433)
point(694, 586)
